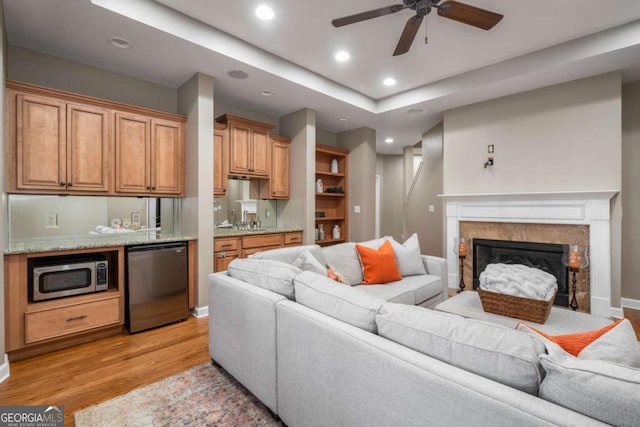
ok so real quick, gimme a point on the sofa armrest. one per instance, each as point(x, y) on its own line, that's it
point(438, 267)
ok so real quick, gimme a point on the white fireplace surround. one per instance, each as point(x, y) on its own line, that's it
point(579, 208)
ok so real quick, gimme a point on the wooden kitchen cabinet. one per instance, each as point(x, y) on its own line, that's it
point(60, 146)
point(149, 155)
point(278, 184)
point(64, 143)
point(220, 160)
point(225, 250)
point(249, 146)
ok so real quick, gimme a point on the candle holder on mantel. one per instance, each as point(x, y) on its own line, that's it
point(576, 260)
point(460, 248)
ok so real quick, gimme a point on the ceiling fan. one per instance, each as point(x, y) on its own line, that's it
point(457, 11)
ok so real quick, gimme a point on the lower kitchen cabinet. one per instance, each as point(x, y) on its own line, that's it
point(226, 249)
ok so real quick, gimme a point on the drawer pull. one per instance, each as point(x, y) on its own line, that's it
point(295, 239)
point(71, 319)
point(227, 245)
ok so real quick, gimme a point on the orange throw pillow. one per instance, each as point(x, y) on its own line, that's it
point(575, 343)
point(378, 265)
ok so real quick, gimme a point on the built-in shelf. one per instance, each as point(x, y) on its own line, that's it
point(334, 206)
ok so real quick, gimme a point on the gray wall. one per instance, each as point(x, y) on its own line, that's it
point(326, 137)
point(546, 140)
point(30, 66)
point(631, 195)
point(392, 200)
point(430, 226)
point(361, 144)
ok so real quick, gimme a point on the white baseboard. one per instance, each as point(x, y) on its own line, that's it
point(630, 303)
point(4, 368)
point(199, 312)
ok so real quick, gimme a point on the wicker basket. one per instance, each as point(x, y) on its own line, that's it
point(518, 307)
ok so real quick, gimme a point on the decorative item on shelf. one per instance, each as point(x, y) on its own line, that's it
point(334, 166)
point(317, 233)
point(334, 190)
point(576, 259)
point(460, 248)
point(319, 186)
point(321, 232)
point(319, 214)
point(335, 232)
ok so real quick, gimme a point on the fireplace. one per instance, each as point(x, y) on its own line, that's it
point(514, 216)
point(544, 256)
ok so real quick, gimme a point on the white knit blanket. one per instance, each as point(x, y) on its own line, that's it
point(518, 280)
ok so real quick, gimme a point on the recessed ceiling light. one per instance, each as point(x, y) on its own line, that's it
point(389, 140)
point(264, 12)
point(266, 92)
point(342, 56)
point(343, 118)
point(120, 42)
point(415, 111)
point(389, 81)
point(237, 74)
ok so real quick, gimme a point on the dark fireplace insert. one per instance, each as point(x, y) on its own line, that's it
point(544, 256)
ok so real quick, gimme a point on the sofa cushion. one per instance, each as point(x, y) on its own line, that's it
point(408, 256)
point(391, 292)
point(378, 265)
point(615, 343)
point(290, 254)
point(605, 391)
point(338, 301)
point(492, 351)
point(344, 258)
point(276, 276)
point(307, 262)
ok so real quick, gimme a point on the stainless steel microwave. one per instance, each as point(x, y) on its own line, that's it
point(64, 277)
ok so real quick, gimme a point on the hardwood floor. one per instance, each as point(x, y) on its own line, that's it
point(90, 373)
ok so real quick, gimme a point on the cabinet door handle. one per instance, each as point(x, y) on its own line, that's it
point(62, 184)
point(71, 319)
point(69, 184)
point(153, 188)
point(148, 187)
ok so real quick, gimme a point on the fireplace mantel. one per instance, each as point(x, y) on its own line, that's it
point(590, 208)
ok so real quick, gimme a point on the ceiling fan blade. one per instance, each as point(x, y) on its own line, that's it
point(408, 34)
point(363, 16)
point(468, 14)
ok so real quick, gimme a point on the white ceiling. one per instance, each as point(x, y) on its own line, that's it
point(536, 44)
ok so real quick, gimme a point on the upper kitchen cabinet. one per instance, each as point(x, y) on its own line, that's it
point(56, 146)
point(149, 155)
point(249, 146)
point(278, 184)
point(220, 160)
point(64, 143)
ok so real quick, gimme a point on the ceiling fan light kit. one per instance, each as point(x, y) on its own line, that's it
point(454, 10)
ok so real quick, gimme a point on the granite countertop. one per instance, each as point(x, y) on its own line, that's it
point(91, 241)
point(230, 232)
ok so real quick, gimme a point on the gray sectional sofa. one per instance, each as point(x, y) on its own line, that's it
point(332, 354)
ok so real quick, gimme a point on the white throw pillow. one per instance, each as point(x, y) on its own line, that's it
point(307, 262)
point(276, 276)
point(408, 256)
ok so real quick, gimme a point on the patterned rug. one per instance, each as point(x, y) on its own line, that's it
point(202, 395)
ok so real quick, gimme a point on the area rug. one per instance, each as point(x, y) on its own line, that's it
point(200, 396)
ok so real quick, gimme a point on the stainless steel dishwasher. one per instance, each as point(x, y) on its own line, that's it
point(157, 285)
